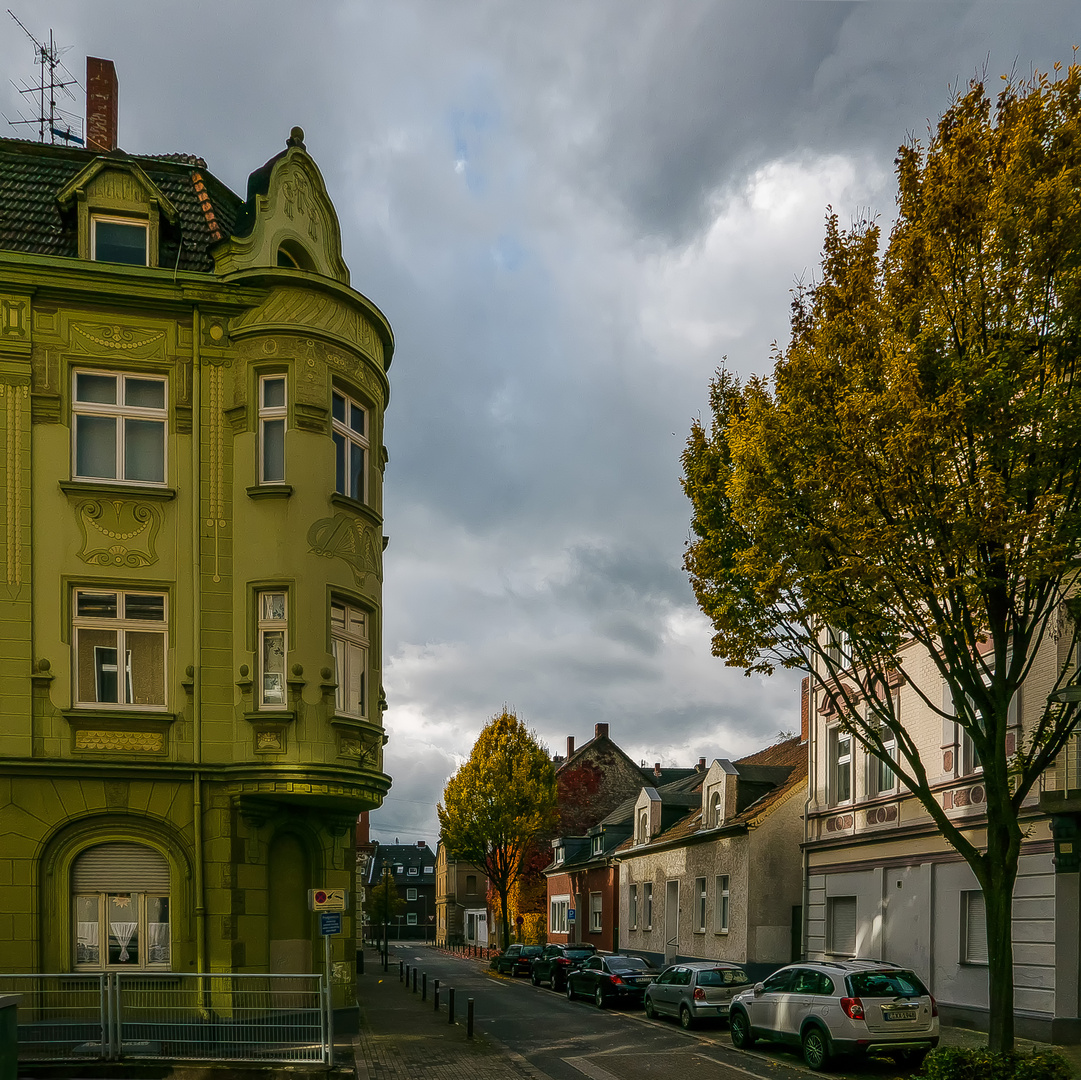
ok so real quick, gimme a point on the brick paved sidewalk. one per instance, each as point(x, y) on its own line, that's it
point(403, 1038)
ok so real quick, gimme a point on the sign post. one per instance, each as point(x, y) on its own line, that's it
point(329, 903)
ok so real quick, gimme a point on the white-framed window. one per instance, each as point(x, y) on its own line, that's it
point(557, 854)
point(840, 647)
point(410, 894)
point(839, 745)
point(716, 811)
point(414, 871)
point(429, 869)
point(120, 904)
point(557, 914)
point(118, 427)
point(632, 906)
point(643, 827)
point(841, 912)
point(349, 646)
point(349, 425)
point(273, 413)
point(120, 648)
point(881, 778)
point(598, 844)
point(720, 905)
point(700, 905)
point(118, 240)
point(973, 927)
point(647, 904)
point(596, 911)
point(399, 869)
point(411, 918)
point(969, 755)
point(273, 647)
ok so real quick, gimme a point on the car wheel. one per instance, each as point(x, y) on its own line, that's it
point(739, 1027)
point(598, 997)
point(649, 1009)
point(534, 978)
point(686, 1021)
point(816, 1048)
point(558, 986)
point(570, 991)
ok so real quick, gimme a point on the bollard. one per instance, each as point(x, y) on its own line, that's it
point(469, 1018)
point(360, 961)
point(401, 969)
point(450, 1005)
point(424, 986)
point(414, 978)
point(436, 995)
point(407, 976)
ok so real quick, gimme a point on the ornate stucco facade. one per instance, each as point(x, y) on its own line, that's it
point(191, 710)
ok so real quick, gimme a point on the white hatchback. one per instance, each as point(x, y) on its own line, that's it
point(839, 1007)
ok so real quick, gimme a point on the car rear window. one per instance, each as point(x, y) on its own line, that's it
point(532, 950)
point(578, 954)
point(627, 963)
point(885, 984)
point(722, 977)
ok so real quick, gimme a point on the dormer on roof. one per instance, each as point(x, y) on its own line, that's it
point(719, 790)
point(288, 220)
point(647, 815)
point(119, 211)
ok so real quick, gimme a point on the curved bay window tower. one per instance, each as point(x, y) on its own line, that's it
point(191, 404)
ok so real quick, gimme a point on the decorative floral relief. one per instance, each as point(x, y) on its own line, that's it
point(118, 533)
point(343, 537)
point(145, 742)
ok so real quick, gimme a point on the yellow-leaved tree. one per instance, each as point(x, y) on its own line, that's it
point(911, 474)
point(497, 802)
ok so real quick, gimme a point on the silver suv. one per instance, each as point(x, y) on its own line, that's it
point(839, 1007)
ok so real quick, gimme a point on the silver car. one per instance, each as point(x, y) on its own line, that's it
point(839, 1007)
point(698, 990)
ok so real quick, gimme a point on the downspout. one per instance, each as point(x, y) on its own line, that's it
point(197, 634)
point(812, 771)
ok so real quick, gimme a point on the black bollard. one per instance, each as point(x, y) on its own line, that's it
point(469, 1018)
point(436, 995)
point(407, 976)
point(401, 970)
point(414, 978)
point(450, 1005)
point(360, 961)
point(424, 986)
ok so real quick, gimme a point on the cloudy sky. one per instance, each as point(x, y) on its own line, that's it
point(570, 212)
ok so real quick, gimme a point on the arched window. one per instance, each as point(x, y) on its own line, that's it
point(643, 828)
point(292, 256)
point(715, 812)
point(120, 895)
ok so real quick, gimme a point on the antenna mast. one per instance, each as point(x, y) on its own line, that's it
point(52, 79)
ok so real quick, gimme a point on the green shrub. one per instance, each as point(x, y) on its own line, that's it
point(955, 1063)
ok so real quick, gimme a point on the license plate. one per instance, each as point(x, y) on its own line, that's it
point(900, 1014)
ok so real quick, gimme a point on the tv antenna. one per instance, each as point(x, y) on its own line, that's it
point(54, 78)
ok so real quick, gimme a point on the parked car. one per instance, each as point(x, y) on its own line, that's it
point(516, 960)
point(553, 965)
point(839, 1007)
point(611, 978)
point(695, 991)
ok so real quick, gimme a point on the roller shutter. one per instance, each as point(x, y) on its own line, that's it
point(120, 867)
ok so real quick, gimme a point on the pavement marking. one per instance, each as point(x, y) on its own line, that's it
point(587, 1068)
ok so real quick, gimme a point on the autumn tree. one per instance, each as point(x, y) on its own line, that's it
point(384, 903)
point(911, 474)
point(498, 802)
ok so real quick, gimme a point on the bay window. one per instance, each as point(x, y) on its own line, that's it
point(273, 645)
point(349, 423)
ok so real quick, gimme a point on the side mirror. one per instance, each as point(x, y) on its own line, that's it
point(758, 988)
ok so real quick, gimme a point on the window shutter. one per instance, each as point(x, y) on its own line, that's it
point(975, 928)
point(843, 925)
point(120, 867)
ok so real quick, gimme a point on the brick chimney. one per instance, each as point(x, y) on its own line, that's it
point(805, 708)
point(601, 731)
point(570, 745)
point(701, 764)
point(102, 101)
point(422, 843)
point(657, 769)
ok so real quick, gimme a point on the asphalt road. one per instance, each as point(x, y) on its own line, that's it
point(568, 1040)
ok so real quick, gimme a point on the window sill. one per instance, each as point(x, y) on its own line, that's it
point(106, 490)
point(721, 933)
point(270, 716)
point(345, 502)
point(700, 930)
point(270, 491)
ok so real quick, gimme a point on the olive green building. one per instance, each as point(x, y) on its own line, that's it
point(191, 540)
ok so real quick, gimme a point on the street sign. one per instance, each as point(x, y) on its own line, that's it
point(570, 915)
point(327, 899)
point(330, 922)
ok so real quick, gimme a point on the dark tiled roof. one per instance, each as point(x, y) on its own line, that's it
point(32, 174)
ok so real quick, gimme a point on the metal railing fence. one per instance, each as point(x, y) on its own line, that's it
point(172, 1016)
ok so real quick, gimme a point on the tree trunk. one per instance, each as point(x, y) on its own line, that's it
point(504, 918)
point(1003, 852)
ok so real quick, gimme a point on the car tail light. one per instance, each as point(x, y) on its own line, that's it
point(853, 1008)
point(616, 979)
point(699, 994)
point(934, 1006)
point(563, 960)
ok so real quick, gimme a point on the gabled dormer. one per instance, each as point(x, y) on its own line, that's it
point(647, 815)
point(288, 220)
point(719, 793)
point(119, 211)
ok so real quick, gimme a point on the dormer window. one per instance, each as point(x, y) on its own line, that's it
point(598, 845)
point(118, 240)
point(643, 828)
point(557, 854)
point(716, 814)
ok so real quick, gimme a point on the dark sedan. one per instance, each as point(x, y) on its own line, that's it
point(556, 962)
point(609, 979)
point(516, 960)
